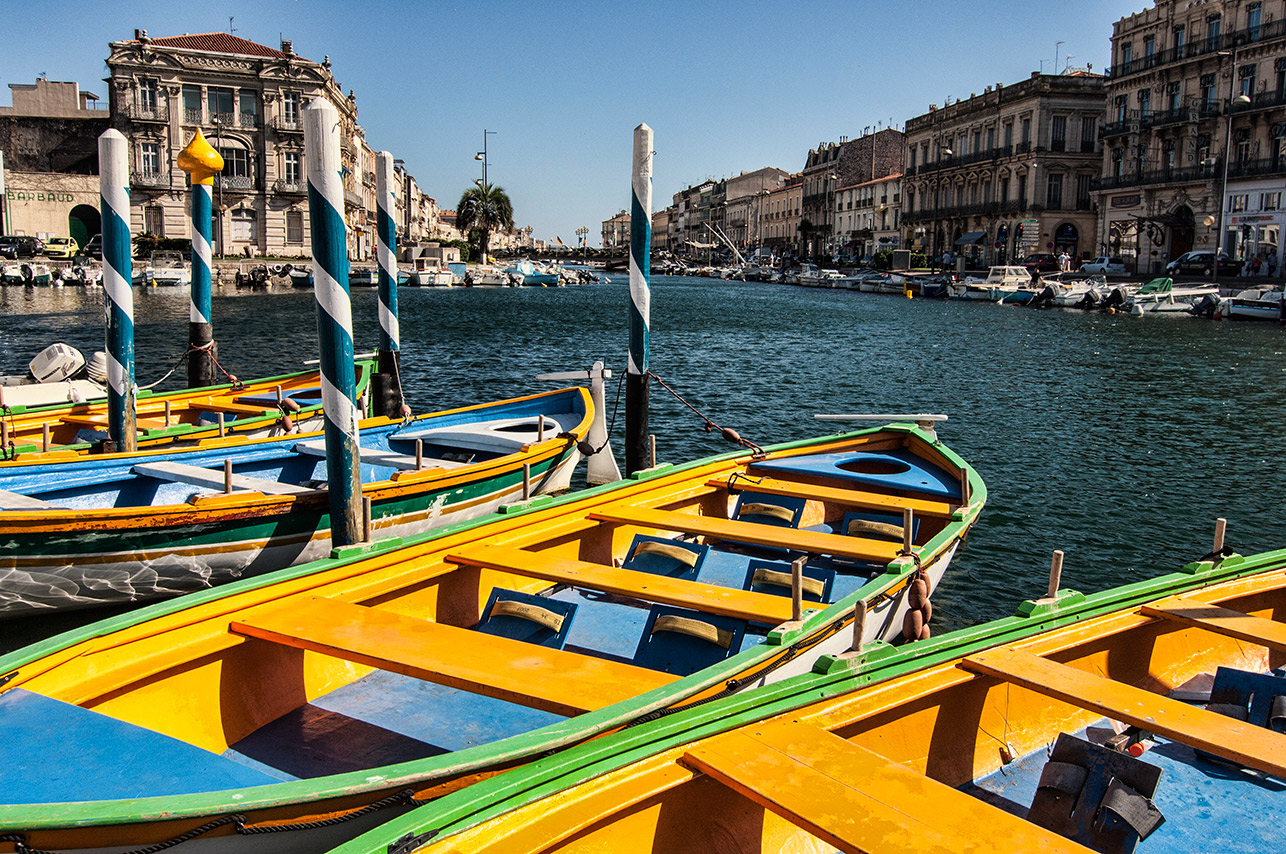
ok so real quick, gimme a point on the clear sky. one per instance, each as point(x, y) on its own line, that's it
point(726, 86)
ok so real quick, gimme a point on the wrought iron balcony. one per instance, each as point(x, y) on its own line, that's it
point(150, 180)
point(1157, 176)
point(1257, 168)
point(236, 183)
point(193, 117)
point(1198, 48)
point(285, 125)
point(248, 120)
point(158, 111)
point(290, 187)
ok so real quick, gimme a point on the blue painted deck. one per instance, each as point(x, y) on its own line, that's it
point(900, 470)
point(1208, 805)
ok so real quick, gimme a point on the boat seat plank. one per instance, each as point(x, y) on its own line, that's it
point(1224, 621)
point(812, 542)
point(857, 800)
point(1226, 737)
point(373, 457)
point(565, 683)
point(16, 501)
point(650, 587)
point(100, 421)
point(213, 478)
point(835, 495)
point(230, 408)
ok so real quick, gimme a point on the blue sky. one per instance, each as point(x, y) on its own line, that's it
point(725, 86)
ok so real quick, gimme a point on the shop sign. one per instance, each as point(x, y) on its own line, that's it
point(35, 196)
point(1126, 201)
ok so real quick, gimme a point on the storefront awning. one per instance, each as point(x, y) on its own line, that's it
point(970, 238)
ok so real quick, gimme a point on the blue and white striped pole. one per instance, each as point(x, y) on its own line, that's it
point(388, 386)
point(334, 319)
point(113, 183)
point(636, 389)
point(201, 161)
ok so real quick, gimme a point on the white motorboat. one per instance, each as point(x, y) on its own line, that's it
point(167, 269)
point(489, 277)
point(999, 282)
point(1160, 295)
point(809, 276)
point(1072, 291)
point(1257, 304)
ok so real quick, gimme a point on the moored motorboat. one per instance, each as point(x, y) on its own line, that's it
point(1000, 282)
point(396, 675)
point(167, 269)
point(26, 273)
point(1145, 712)
point(363, 278)
point(127, 527)
point(1257, 304)
point(1161, 295)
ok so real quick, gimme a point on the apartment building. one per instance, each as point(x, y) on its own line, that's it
point(1195, 137)
point(868, 218)
point(247, 99)
point(1008, 172)
point(842, 164)
point(782, 212)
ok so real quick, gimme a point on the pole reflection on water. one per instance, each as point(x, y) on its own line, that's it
point(1116, 439)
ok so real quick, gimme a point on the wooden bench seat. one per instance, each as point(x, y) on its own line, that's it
point(373, 457)
point(1213, 618)
point(557, 681)
point(708, 598)
point(836, 495)
point(213, 478)
point(1236, 741)
point(857, 800)
point(100, 421)
point(230, 408)
point(16, 501)
point(812, 542)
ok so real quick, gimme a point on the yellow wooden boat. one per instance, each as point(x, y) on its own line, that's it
point(1140, 718)
point(314, 702)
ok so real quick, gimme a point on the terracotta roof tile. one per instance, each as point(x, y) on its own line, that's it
point(219, 43)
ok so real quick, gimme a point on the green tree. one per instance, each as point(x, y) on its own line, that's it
point(484, 208)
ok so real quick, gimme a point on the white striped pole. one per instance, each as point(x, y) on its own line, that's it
point(334, 319)
point(636, 388)
point(388, 392)
point(201, 161)
point(113, 184)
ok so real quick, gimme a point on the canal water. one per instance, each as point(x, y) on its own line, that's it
point(1117, 439)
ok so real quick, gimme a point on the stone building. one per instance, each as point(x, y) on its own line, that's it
point(616, 231)
point(833, 165)
point(868, 218)
point(1176, 116)
point(49, 140)
point(744, 205)
point(782, 212)
point(248, 100)
point(1007, 173)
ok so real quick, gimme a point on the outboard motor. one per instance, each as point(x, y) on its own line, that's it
point(56, 363)
point(1207, 306)
point(1088, 302)
point(1043, 299)
point(1114, 299)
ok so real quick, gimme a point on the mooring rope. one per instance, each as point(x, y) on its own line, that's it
point(726, 432)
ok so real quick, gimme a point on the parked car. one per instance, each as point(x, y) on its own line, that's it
point(1201, 263)
point(8, 248)
point(61, 248)
point(1042, 262)
point(1108, 266)
point(94, 248)
point(24, 245)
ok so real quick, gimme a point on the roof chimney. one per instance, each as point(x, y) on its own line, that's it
point(287, 47)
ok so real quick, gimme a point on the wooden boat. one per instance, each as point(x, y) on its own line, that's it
point(1083, 723)
point(65, 430)
point(335, 694)
point(158, 523)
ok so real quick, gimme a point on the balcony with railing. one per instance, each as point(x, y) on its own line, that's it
point(248, 120)
point(1192, 174)
point(1258, 168)
point(352, 199)
point(281, 124)
point(193, 116)
point(236, 183)
point(1199, 48)
point(1194, 110)
point(1262, 101)
point(157, 111)
point(288, 187)
point(150, 180)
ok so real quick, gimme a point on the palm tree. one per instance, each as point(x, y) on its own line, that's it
point(485, 208)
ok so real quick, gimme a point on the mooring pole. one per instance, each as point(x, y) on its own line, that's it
point(201, 161)
point(387, 382)
point(334, 319)
point(636, 389)
point(113, 184)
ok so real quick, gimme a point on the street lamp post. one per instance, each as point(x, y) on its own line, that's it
point(581, 234)
point(482, 155)
point(1240, 101)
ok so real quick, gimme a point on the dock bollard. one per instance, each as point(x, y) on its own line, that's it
point(201, 161)
point(388, 388)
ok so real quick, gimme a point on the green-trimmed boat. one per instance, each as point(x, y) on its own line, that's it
point(311, 703)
